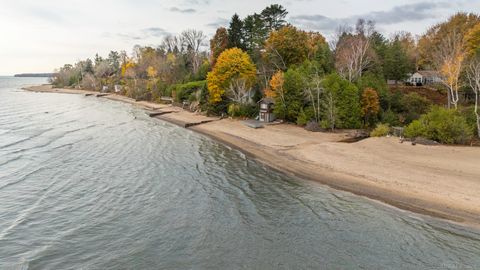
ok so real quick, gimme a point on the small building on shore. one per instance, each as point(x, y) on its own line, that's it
point(424, 77)
point(266, 110)
point(118, 88)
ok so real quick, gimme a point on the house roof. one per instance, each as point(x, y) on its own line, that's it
point(428, 73)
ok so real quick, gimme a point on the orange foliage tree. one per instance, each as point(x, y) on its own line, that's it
point(370, 105)
point(276, 85)
point(218, 44)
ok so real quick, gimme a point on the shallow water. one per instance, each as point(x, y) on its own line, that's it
point(94, 184)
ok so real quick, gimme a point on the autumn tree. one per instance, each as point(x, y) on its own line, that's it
point(449, 57)
point(171, 44)
point(289, 46)
point(429, 43)
point(192, 40)
point(473, 78)
point(370, 105)
point(276, 86)
point(472, 40)
point(233, 76)
point(443, 48)
point(218, 44)
point(354, 53)
point(103, 69)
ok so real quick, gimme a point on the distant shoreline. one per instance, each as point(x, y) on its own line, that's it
point(420, 179)
point(34, 75)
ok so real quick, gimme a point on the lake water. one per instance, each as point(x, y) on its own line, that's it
point(87, 183)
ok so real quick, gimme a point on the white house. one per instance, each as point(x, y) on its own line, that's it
point(424, 77)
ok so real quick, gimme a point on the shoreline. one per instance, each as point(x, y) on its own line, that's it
point(354, 168)
point(343, 181)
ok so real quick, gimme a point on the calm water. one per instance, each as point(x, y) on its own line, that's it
point(87, 183)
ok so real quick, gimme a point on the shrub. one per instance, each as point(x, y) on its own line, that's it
point(390, 118)
point(184, 91)
point(242, 110)
point(305, 115)
point(442, 125)
point(381, 130)
point(413, 105)
point(469, 113)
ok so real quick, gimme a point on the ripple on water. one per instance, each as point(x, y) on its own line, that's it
point(95, 184)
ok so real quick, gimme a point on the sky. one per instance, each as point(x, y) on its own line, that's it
point(39, 36)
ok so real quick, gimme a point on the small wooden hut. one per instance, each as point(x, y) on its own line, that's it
point(266, 110)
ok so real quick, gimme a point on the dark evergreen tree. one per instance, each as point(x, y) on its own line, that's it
point(114, 61)
point(274, 17)
point(254, 32)
point(379, 46)
point(88, 67)
point(235, 33)
point(396, 65)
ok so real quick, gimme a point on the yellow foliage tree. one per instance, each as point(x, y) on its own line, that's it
point(473, 40)
point(126, 66)
point(151, 72)
point(233, 65)
point(289, 45)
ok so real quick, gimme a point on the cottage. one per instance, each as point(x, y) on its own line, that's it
point(266, 110)
point(424, 77)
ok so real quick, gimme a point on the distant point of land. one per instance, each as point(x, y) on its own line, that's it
point(46, 75)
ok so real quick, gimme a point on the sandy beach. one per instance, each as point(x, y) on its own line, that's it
point(441, 181)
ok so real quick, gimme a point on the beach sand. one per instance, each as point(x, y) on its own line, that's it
point(441, 181)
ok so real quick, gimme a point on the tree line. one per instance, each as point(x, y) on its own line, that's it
point(340, 83)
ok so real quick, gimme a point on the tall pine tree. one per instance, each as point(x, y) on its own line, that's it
point(235, 33)
point(274, 17)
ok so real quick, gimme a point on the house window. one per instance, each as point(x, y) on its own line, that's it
point(264, 106)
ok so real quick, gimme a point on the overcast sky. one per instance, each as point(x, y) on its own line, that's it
point(38, 36)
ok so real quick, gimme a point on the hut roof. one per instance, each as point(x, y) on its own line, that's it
point(267, 100)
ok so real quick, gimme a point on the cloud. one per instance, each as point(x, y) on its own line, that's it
point(399, 14)
point(46, 15)
point(219, 22)
point(151, 32)
point(155, 32)
point(186, 10)
point(197, 2)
